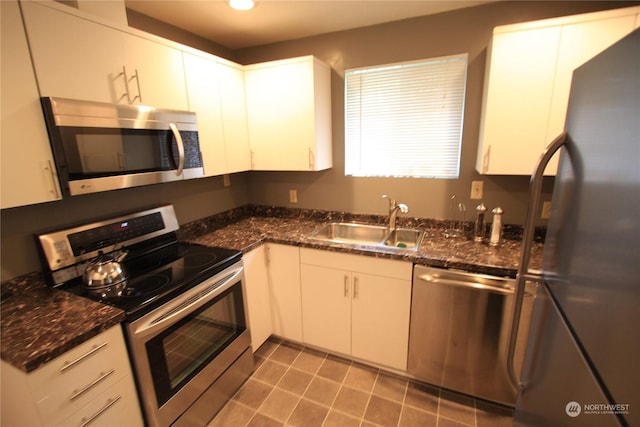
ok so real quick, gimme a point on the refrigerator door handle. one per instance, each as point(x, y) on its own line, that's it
point(524, 275)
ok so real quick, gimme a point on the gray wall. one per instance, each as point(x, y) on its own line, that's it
point(193, 199)
point(444, 34)
point(467, 30)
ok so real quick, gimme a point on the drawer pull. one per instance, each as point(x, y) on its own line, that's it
point(110, 403)
point(77, 393)
point(95, 348)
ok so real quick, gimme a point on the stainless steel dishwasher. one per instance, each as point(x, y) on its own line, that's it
point(459, 332)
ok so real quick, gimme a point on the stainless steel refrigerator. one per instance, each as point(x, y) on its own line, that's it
point(582, 364)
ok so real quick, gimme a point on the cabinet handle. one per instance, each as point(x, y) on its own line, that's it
point(95, 348)
point(253, 165)
point(486, 159)
point(139, 95)
point(52, 175)
point(311, 159)
point(346, 285)
point(110, 403)
point(77, 393)
point(356, 287)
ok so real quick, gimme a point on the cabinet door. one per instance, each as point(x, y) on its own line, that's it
point(204, 100)
point(518, 89)
point(234, 118)
point(579, 43)
point(160, 72)
point(284, 291)
point(262, 91)
point(25, 151)
point(257, 294)
point(380, 319)
point(326, 307)
point(74, 58)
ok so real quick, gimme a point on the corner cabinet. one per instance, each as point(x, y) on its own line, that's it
point(91, 384)
point(289, 114)
point(357, 305)
point(28, 174)
point(527, 84)
point(216, 94)
point(80, 58)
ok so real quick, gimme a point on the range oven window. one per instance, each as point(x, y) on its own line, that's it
point(94, 152)
point(180, 352)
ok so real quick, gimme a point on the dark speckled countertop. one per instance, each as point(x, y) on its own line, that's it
point(293, 227)
point(39, 323)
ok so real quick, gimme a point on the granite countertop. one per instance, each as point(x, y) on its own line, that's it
point(39, 323)
point(435, 250)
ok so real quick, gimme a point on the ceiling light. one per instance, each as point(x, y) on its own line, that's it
point(242, 4)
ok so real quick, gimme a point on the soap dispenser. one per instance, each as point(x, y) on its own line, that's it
point(496, 227)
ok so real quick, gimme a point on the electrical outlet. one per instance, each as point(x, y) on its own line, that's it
point(226, 180)
point(546, 210)
point(293, 196)
point(476, 190)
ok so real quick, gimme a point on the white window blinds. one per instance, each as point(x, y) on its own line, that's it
point(405, 120)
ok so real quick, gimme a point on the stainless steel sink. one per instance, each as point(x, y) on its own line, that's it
point(369, 235)
point(406, 238)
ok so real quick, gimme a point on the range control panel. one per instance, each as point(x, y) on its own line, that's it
point(71, 246)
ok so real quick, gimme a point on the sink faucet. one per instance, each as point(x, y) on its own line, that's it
point(394, 207)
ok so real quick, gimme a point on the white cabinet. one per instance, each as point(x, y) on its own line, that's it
point(91, 382)
point(289, 114)
point(527, 83)
point(256, 281)
point(216, 95)
point(357, 305)
point(27, 168)
point(283, 264)
point(78, 58)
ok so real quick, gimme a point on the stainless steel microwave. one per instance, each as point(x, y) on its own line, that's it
point(99, 146)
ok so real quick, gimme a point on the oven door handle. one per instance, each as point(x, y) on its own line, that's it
point(188, 302)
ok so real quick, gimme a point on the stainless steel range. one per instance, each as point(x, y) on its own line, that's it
point(185, 322)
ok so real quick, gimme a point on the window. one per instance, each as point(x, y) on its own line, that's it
point(405, 120)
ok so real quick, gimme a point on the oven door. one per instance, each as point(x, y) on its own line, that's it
point(181, 348)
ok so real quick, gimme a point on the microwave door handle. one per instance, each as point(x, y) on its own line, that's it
point(180, 144)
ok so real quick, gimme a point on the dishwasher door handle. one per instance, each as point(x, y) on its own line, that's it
point(434, 279)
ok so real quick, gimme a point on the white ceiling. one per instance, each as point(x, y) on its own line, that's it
point(278, 20)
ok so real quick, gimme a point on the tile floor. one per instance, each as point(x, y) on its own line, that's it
point(296, 386)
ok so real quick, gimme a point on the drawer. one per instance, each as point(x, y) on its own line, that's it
point(118, 406)
point(71, 381)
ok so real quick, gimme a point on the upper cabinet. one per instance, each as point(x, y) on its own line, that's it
point(28, 174)
point(527, 84)
point(216, 95)
point(289, 114)
point(78, 58)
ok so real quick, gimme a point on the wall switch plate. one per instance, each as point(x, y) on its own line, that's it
point(293, 196)
point(546, 210)
point(476, 190)
point(226, 180)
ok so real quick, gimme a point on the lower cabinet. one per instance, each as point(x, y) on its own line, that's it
point(272, 285)
point(90, 384)
point(356, 305)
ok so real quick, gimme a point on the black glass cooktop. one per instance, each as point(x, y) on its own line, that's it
point(156, 277)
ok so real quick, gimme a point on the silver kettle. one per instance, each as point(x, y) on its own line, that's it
point(106, 276)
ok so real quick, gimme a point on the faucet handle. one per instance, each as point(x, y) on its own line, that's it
point(403, 208)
